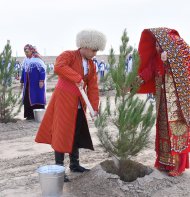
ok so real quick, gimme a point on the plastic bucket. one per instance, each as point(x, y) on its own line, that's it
point(51, 180)
point(38, 114)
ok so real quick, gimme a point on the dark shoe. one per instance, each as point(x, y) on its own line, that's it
point(79, 169)
point(59, 158)
point(66, 179)
point(30, 118)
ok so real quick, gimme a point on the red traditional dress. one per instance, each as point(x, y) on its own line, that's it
point(170, 82)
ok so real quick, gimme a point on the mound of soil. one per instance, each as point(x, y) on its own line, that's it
point(127, 170)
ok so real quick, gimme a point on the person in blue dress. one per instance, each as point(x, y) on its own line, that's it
point(33, 82)
point(102, 67)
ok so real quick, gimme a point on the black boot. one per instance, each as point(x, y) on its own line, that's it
point(74, 162)
point(59, 160)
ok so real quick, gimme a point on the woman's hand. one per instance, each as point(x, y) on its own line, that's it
point(139, 80)
point(164, 56)
point(41, 84)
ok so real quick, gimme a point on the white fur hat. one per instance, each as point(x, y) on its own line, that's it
point(91, 39)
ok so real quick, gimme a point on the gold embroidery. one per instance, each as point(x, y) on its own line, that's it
point(178, 53)
point(179, 136)
point(161, 110)
point(167, 159)
point(171, 98)
point(178, 128)
point(158, 81)
point(166, 147)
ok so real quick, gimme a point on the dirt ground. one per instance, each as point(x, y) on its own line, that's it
point(20, 157)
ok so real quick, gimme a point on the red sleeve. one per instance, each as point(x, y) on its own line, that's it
point(62, 67)
point(148, 73)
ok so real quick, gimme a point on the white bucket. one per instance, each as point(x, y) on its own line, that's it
point(51, 180)
point(38, 114)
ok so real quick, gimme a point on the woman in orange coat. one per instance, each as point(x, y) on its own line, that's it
point(164, 71)
point(64, 125)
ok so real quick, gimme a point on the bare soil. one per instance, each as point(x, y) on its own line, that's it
point(20, 157)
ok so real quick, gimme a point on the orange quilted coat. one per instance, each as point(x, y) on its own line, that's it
point(58, 125)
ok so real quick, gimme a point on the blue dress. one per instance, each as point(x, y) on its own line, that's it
point(34, 97)
point(33, 71)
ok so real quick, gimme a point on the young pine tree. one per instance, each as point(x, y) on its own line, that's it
point(130, 118)
point(10, 102)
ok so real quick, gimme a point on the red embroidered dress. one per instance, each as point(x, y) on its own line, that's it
point(170, 82)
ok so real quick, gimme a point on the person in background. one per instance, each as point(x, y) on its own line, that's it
point(51, 67)
point(164, 71)
point(129, 64)
point(102, 67)
point(48, 69)
point(96, 64)
point(17, 70)
point(64, 125)
point(33, 82)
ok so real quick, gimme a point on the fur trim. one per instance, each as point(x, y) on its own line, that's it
point(91, 39)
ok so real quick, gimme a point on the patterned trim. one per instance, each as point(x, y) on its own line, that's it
point(178, 53)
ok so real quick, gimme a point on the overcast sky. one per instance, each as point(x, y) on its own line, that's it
point(52, 25)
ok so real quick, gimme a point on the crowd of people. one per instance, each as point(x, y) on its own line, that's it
point(101, 67)
point(163, 75)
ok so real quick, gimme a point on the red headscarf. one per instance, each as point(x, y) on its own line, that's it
point(149, 55)
point(33, 50)
point(178, 60)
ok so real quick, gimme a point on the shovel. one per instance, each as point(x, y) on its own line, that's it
point(87, 101)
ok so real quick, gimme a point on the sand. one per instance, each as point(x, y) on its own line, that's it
point(20, 157)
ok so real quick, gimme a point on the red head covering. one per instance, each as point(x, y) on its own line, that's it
point(33, 50)
point(149, 55)
point(178, 60)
